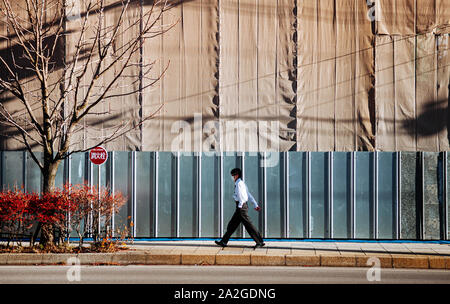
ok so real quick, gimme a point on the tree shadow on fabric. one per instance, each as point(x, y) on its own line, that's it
point(432, 120)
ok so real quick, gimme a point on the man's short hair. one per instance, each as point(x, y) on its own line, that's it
point(236, 171)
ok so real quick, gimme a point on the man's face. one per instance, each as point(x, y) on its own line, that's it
point(235, 177)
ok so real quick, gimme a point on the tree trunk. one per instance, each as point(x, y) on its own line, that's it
point(49, 176)
point(47, 239)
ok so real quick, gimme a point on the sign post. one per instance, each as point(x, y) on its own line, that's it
point(98, 156)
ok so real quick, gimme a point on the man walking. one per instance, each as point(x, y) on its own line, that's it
point(241, 196)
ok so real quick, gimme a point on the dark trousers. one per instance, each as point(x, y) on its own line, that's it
point(241, 216)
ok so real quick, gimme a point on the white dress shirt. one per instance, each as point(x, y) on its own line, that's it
point(241, 193)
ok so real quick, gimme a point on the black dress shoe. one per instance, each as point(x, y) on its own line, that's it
point(260, 245)
point(220, 243)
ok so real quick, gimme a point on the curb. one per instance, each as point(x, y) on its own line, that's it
point(227, 258)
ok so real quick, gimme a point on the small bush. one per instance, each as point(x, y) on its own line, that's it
point(93, 205)
point(77, 208)
point(15, 216)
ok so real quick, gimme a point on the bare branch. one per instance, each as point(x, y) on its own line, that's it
point(118, 133)
point(14, 122)
point(56, 93)
point(76, 57)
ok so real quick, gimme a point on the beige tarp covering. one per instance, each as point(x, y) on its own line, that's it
point(10, 137)
point(109, 115)
point(409, 17)
point(412, 92)
point(256, 81)
point(188, 89)
point(309, 75)
point(335, 72)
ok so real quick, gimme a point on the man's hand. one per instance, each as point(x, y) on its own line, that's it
point(258, 208)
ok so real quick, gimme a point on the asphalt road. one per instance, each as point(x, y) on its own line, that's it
point(215, 275)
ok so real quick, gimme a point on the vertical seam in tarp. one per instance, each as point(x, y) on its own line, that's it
point(316, 92)
point(415, 91)
point(354, 89)
point(395, 95)
point(257, 148)
point(435, 55)
point(219, 146)
point(182, 90)
point(335, 77)
point(236, 139)
point(295, 67)
point(415, 69)
point(277, 80)
point(141, 54)
point(161, 93)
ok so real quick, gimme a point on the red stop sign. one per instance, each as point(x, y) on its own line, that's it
point(98, 155)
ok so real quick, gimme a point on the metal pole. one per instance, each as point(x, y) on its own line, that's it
point(353, 198)
point(156, 194)
point(24, 169)
point(286, 191)
point(398, 197)
point(264, 196)
point(99, 189)
point(112, 189)
point(177, 189)
point(422, 209)
point(91, 183)
point(243, 178)
point(445, 194)
point(199, 194)
point(220, 193)
point(330, 194)
point(375, 195)
point(308, 209)
point(69, 181)
point(134, 192)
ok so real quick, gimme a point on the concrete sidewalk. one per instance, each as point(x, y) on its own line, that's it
point(421, 255)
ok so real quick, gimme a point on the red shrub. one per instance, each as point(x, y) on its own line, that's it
point(15, 214)
point(101, 205)
point(67, 208)
point(52, 208)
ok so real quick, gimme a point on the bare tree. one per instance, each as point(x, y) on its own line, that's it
point(54, 87)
